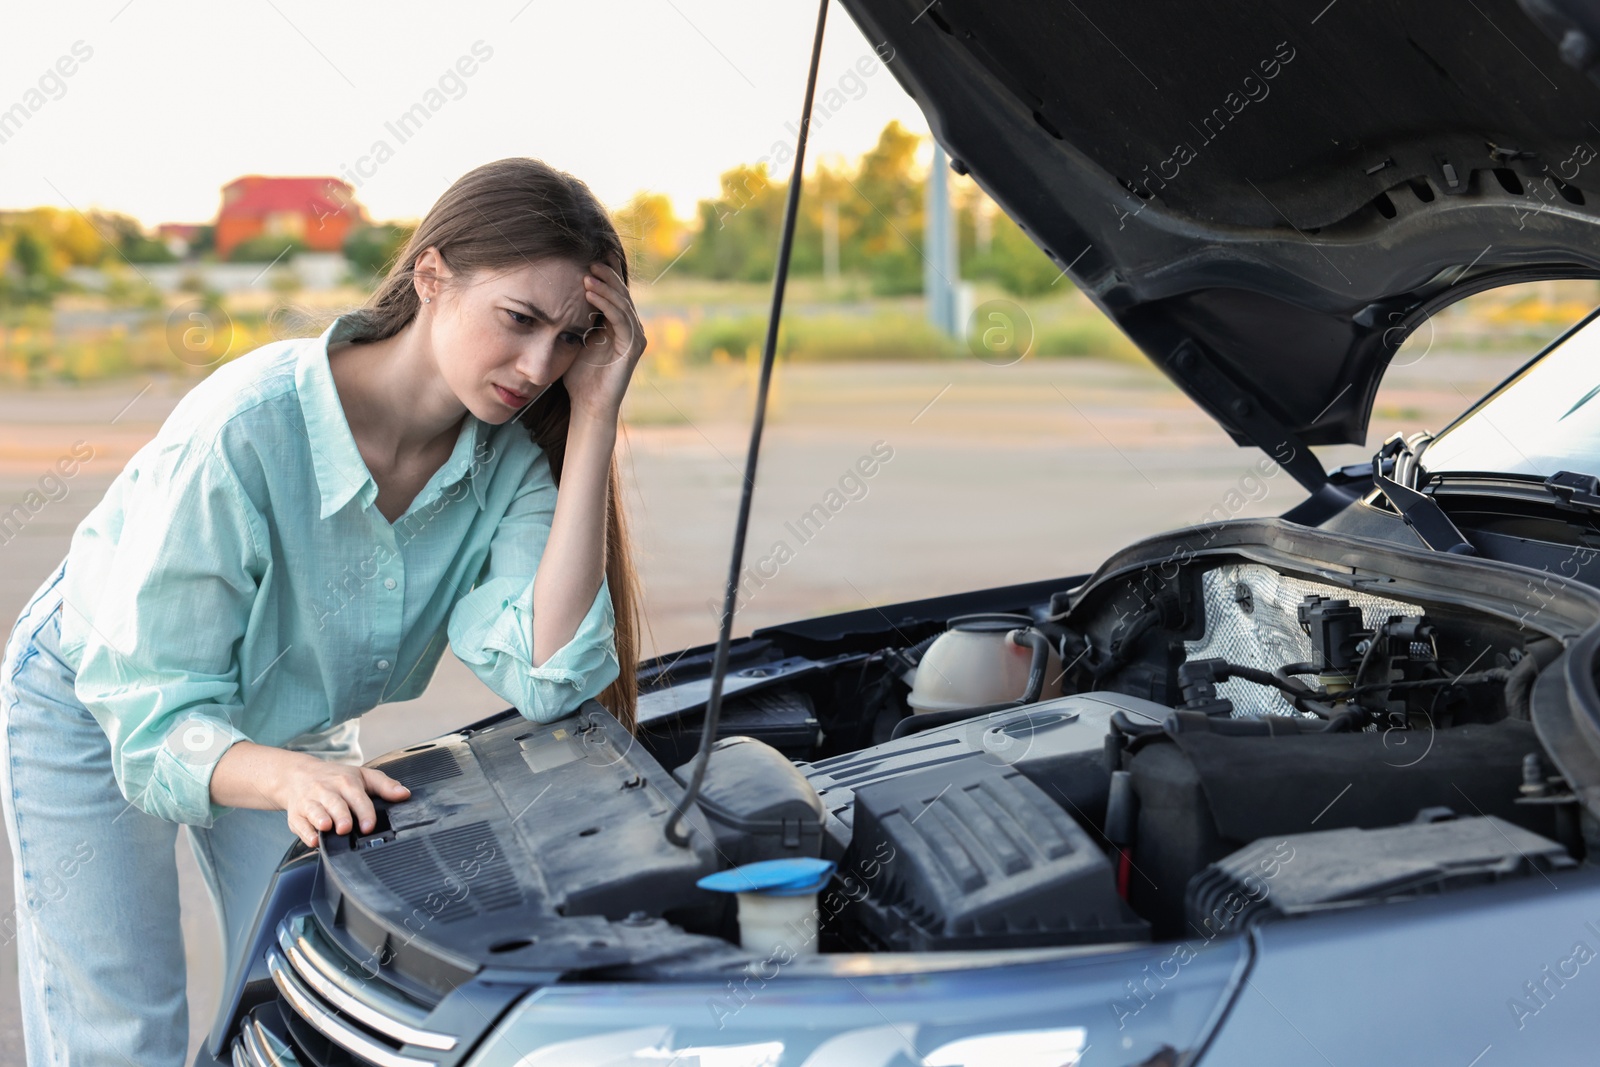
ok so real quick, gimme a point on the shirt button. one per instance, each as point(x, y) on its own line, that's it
point(383, 664)
point(388, 583)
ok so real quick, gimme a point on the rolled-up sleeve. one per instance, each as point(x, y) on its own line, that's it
point(160, 617)
point(491, 628)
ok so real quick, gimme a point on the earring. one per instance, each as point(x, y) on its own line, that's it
point(427, 300)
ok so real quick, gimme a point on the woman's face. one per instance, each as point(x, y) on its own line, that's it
point(502, 337)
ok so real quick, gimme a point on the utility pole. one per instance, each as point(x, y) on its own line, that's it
point(940, 274)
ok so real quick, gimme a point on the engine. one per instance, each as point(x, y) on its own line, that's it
point(1225, 735)
point(1158, 753)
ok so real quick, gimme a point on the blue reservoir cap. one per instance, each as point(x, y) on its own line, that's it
point(778, 878)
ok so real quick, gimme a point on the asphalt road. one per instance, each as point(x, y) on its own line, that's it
point(994, 475)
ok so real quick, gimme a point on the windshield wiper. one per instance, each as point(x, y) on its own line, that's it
point(1579, 491)
point(1420, 511)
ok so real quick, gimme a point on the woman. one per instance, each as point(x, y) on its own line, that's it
point(309, 527)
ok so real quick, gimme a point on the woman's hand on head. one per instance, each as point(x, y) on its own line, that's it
point(318, 794)
point(598, 378)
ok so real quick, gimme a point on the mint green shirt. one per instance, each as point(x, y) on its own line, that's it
point(237, 581)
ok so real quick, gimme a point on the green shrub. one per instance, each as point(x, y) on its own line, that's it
point(264, 248)
point(826, 338)
point(885, 335)
point(733, 335)
point(1089, 335)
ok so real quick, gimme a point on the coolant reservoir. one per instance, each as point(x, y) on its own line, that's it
point(974, 663)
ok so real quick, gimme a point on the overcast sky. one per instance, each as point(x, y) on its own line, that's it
point(166, 100)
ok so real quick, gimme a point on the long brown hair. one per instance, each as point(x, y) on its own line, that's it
point(498, 217)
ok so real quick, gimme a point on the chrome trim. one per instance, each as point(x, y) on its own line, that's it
point(330, 1025)
point(256, 1047)
point(367, 1002)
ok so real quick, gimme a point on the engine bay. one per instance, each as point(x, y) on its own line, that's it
point(1199, 739)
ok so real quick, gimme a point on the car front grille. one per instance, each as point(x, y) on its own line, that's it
point(330, 1010)
point(259, 1046)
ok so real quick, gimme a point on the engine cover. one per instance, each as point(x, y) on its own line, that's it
point(977, 856)
point(521, 845)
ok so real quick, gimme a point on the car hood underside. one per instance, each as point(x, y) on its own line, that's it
point(1267, 198)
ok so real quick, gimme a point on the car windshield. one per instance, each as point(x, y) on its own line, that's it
point(1545, 419)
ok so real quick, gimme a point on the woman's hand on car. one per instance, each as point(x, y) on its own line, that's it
point(315, 793)
point(599, 377)
point(319, 794)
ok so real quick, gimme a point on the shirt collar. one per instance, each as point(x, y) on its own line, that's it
point(341, 472)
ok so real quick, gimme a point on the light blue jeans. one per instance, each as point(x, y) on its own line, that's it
point(99, 944)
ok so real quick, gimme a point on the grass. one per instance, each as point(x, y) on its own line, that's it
point(33, 353)
point(882, 335)
point(697, 322)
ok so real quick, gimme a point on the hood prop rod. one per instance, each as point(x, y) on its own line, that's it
point(719, 668)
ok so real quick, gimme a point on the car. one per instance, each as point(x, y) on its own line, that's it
point(1314, 788)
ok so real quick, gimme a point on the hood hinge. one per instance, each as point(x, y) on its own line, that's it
point(1189, 365)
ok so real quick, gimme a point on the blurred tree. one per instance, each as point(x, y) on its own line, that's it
point(27, 273)
point(127, 236)
point(31, 255)
point(651, 233)
point(372, 249)
point(828, 183)
point(265, 248)
point(738, 238)
point(1019, 265)
point(71, 237)
point(143, 249)
point(878, 203)
point(887, 207)
point(204, 243)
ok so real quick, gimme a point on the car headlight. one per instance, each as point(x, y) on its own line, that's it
point(882, 1045)
point(1139, 1006)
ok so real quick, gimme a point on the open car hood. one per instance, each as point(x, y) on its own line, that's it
point(1267, 198)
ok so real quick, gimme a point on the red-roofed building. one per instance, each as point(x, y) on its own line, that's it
point(319, 211)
